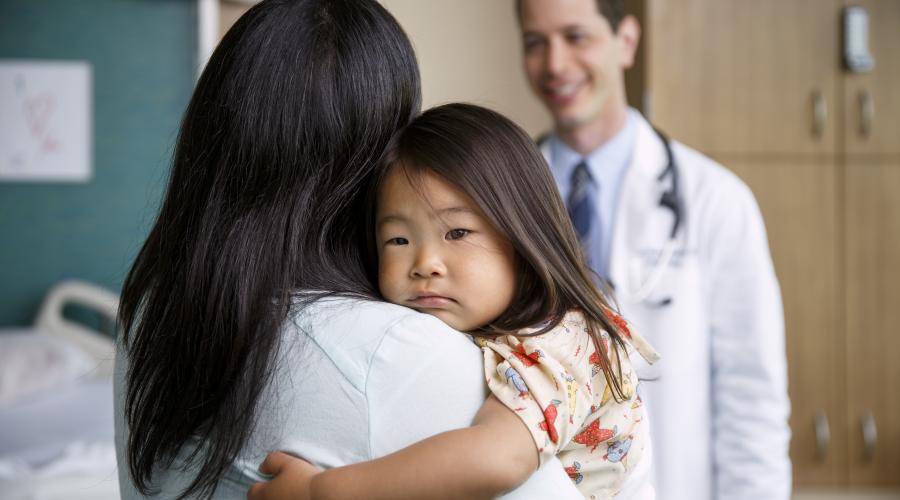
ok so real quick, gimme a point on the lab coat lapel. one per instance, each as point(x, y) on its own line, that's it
point(637, 223)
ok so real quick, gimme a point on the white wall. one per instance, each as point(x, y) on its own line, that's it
point(470, 50)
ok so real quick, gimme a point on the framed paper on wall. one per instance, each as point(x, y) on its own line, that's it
point(46, 126)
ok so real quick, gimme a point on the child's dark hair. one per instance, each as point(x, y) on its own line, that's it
point(494, 162)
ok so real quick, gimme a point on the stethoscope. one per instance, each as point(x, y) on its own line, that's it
point(670, 200)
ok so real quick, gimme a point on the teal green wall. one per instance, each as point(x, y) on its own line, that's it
point(142, 54)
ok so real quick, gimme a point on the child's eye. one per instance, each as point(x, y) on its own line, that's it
point(455, 234)
point(397, 241)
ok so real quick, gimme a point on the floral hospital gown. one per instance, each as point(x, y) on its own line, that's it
point(554, 383)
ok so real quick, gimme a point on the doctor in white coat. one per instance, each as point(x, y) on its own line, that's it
point(682, 242)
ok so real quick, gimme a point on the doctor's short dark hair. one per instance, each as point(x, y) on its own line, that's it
point(612, 10)
point(499, 167)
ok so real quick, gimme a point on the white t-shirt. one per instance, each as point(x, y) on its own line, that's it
point(356, 380)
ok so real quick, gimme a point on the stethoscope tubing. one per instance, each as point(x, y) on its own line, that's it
point(670, 199)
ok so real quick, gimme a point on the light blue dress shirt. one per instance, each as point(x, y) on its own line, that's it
point(607, 165)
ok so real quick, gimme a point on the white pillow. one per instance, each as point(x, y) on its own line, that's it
point(32, 362)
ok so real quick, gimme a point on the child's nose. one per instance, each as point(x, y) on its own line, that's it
point(428, 264)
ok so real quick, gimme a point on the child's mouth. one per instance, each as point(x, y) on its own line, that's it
point(432, 301)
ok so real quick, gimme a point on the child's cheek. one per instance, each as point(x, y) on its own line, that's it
point(390, 281)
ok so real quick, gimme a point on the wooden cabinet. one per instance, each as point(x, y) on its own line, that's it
point(761, 86)
point(764, 69)
point(872, 265)
point(872, 100)
point(871, 199)
point(803, 221)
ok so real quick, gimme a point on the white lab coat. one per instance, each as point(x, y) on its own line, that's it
point(717, 399)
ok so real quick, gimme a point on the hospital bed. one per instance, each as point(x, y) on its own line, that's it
point(56, 408)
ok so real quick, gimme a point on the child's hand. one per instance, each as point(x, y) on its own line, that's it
point(292, 478)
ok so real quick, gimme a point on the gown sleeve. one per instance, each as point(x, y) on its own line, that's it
point(545, 380)
point(553, 381)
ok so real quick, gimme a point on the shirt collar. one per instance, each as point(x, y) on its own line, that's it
point(609, 161)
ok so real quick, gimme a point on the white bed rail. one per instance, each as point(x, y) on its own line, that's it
point(50, 319)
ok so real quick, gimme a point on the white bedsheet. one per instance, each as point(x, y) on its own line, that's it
point(31, 362)
point(56, 439)
point(83, 471)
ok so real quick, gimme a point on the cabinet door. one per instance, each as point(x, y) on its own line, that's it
point(872, 100)
point(798, 202)
point(763, 68)
point(872, 194)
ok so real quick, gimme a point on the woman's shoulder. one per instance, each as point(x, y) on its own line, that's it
point(367, 315)
point(359, 320)
point(354, 333)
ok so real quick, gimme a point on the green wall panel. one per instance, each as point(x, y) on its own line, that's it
point(142, 56)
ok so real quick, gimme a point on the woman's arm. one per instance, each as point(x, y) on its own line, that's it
point(493, 456)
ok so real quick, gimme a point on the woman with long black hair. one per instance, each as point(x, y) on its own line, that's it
point(251, 320)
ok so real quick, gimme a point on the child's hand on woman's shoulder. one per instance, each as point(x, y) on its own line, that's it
point(293, 477)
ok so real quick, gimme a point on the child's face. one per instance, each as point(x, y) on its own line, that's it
point(439, 255)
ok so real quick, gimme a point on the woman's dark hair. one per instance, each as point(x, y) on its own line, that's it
point(275, 154)
point(495, 163)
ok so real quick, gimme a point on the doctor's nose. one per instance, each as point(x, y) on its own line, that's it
point(556, 58)
point(428, 264)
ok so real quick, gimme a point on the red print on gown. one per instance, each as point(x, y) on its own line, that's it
point(593, 435)
point(549, 420)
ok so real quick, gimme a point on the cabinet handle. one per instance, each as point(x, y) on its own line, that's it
point(823, 434)
point(820, 114)
point(866, 113)
point(870, 436)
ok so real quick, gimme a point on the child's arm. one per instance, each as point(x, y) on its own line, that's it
point(291, 481)
point(494, 455)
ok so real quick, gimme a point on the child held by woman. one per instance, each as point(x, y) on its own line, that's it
point(468, 226)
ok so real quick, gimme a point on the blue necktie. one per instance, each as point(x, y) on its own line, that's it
point(582, 203)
